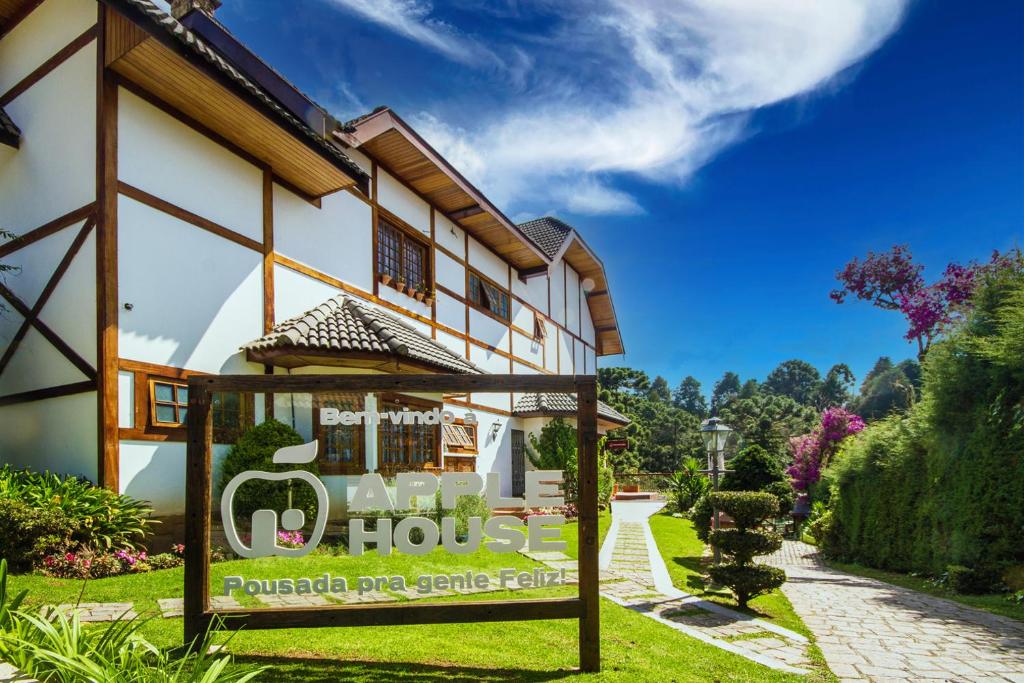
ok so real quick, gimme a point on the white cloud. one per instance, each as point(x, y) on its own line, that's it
point(651, 88)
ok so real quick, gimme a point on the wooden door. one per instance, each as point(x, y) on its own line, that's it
point(518, 462)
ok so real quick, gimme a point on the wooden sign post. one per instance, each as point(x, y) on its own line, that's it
point(198, 505)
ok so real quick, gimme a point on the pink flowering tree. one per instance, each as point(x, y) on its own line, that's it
point(892, 281)
point(812, 452)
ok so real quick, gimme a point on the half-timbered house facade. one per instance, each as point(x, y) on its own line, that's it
point(179, 208)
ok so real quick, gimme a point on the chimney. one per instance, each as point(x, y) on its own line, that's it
point(179, 8)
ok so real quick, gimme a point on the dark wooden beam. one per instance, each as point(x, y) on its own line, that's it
point(429, 383)
point(48, 392)
point(465, 212)
point(597, 292)
point(49, 65)
point(526, 273)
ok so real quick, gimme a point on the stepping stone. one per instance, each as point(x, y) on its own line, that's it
point(100, 611)
point(171, 607)
point(293, 600)
point(8, 674)
point(568, 565)
point(218, 602)
point(545, 555)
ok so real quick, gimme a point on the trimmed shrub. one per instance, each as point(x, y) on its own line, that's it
point(27, 535)
point(746, 579)
point(786, 495)
point(255, 451)
point(753, 469)
point(700, 514)
point(969, 581)
point(605, 485)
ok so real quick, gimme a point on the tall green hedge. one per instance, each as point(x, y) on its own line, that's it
point(944, 484)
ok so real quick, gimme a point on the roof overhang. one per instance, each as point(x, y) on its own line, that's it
point(585, 262)
point(381, 362)
point(399, 150)
point(169, 62)
point(13, 11)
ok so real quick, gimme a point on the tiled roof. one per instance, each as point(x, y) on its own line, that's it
point(548, 233)
point(343, 325)
point(10, 134)
point(563, 404)
point(163, 21)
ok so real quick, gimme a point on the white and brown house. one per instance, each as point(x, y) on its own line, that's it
point(180, 208)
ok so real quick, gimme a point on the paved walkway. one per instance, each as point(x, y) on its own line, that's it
point(872, 631)
point(634, 575)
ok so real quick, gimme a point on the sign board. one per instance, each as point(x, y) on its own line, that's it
point(616, 445)
point(368, 494)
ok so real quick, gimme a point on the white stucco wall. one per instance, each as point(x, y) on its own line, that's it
point(159, 154)
point(336, 239)
point(449, 235)
point(484, 328)
point(57, 434)
point(54, 170)
point(399, 200)
point(197, 321)
point(42, 34)
point(486, 262)
point(449, 273)
point(558, 293)
point(450, 312)
point(572, 300)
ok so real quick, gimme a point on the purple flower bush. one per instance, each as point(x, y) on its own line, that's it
point(812, 452)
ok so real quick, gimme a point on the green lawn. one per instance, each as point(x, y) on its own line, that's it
point(683, 553)
point(997, 604)
point(633, 646)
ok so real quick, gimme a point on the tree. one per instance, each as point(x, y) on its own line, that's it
point(769, 421)
point(797, 379)
point(725, 390)
point(659, 390)
point(893, 282)
point(688, 397)
point(688, 483)
point(749, 389)
point(835, 389)
point(888, 388)
point(555, 449)
point(812, 452)
point(753, 469)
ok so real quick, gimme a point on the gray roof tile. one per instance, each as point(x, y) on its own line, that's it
point(548, 233)
point(563, 405)
point(343, 325)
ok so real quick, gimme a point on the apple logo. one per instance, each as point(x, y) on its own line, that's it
point(264, 522)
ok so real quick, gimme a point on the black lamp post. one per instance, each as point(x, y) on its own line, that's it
point(715, 434)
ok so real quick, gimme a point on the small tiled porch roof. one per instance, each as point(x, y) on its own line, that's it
point(343, 328)
point(563, 405)
point(10, 134)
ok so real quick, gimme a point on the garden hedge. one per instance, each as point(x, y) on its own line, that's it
point(944, 484)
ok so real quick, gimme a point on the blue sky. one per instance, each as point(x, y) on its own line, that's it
point(724, 157)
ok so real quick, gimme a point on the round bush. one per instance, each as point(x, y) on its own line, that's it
point(748, 509)
point(786, 495)
point(255, 451)
point(744, 545)
point(28, 535)
point(748, 581)
point(753, 469)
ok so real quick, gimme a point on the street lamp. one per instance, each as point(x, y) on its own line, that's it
point(715, 434)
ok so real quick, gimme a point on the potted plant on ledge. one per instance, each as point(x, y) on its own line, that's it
point(385, 278)
point(400, 284)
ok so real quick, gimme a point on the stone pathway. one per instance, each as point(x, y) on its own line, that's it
point(634, 575)
point(872, 631)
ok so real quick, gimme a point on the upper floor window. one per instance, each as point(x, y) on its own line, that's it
point(488, 295)
point(402, 256)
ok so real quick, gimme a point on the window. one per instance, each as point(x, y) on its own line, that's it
point(459, 438)
point(488, 295)
point(341, 446)
point(405, 447)
point(232, 413)
point(402, 256)
point(168, 403)
point(540, 330)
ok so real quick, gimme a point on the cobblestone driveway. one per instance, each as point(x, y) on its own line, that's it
point(873, 631)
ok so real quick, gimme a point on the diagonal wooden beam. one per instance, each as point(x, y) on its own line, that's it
point(45, 230)
point(44, 296)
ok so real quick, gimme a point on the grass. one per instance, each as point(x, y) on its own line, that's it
point(683, 553)
point(633, 646)
point(996, 603)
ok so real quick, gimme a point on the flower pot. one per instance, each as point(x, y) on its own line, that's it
point(429, 300)
point(419, 296)
point(400, 286)
point(385, 278)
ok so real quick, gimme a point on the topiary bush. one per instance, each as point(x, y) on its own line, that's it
point(700, 514)
point(255, 451)
point(748, 510)
point(753, 469)
point(786, 495)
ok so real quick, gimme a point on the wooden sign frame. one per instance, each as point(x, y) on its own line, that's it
point(199, 616)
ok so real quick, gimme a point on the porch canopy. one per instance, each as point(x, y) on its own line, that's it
point(564, 405)
point(343, 332)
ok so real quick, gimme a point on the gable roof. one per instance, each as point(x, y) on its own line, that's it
point(559, 240)
point(10, 134)
point(548, 233)
point(562, 405)
point(344, 327)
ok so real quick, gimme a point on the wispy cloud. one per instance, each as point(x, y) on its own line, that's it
point(648, 88)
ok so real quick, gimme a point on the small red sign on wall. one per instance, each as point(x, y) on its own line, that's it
point(617, 445)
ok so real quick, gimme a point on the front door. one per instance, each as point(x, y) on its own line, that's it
point(518, 462)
